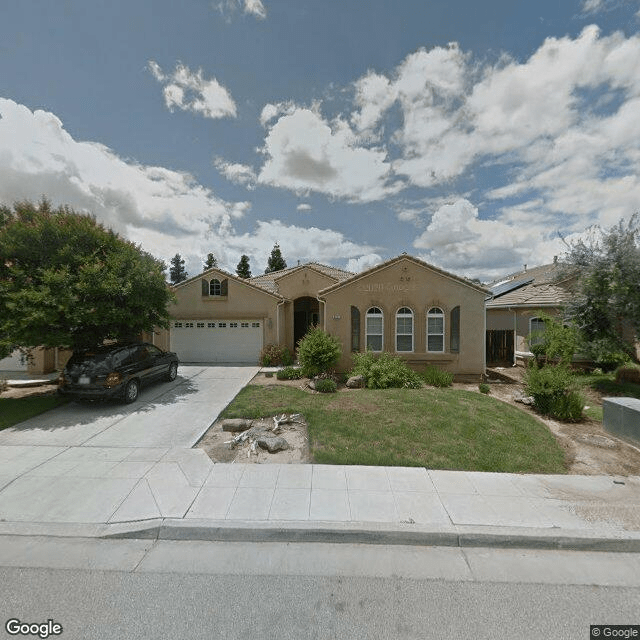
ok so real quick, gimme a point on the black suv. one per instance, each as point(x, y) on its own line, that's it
point(117, 370)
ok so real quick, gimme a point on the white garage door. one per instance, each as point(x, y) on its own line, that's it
point(236, 341)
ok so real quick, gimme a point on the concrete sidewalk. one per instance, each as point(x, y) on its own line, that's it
point(177, 493)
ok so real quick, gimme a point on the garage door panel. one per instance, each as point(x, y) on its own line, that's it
point(237, 341)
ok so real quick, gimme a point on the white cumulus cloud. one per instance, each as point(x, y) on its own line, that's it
point(363, 262)
point(306, 153)
point(190, 91)
point(254, 8)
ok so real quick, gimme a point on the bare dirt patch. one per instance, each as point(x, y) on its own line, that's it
point(589, 449)
point(216, 444)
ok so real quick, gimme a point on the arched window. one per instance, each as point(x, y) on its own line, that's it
point(374, 329)
point(536, 330)
point(404, 330)
point(435, 329)
point(215, 288)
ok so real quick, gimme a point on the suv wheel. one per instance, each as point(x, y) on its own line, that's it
point(131, 391)
point(172, 372)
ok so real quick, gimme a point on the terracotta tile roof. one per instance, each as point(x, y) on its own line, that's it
point(268, 281)
point(546, 290)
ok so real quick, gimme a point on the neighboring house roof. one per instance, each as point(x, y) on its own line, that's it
point(216, 271)
point(268, 281)
point(404, 256)
point(543, 286)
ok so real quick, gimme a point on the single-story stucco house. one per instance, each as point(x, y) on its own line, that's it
point(403, 306)
point(513, 310)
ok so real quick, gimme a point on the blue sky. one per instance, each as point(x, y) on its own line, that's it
point(472, 135)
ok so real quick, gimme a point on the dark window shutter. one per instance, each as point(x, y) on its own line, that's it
point(355, 329)
point(224, 287)
point(454, 338)
point(205, 287)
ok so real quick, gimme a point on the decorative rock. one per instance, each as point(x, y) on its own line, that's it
point(272, 444)
point(528, 400)
point(235, 425)
point(312, 384)
point(356, 382)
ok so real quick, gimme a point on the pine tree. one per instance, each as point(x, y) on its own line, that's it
point(276, 261)
point(211, 262)
point(177, 272)
point(243, 270)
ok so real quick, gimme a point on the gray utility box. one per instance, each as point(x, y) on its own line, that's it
point(621, 417)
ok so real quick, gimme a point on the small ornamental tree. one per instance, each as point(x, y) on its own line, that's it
point(210, 262)
point(243, 270)
point(557, 342)
point(177, 272)
point(66, 281)
point(276, 262)
point(607, 296)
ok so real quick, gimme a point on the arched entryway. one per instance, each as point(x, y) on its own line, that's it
point(306, 313)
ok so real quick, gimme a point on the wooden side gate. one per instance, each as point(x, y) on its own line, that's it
point(500, 347)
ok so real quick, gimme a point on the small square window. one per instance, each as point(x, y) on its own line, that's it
point(255, 324)
point(177, 325)
point(189, 325)
point(222, 325)
point(200, 325)
point(211, 325)
point(244, 325)
point(233, 325)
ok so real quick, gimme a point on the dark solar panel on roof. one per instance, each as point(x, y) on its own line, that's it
point(505, 287)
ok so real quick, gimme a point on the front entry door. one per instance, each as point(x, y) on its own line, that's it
point(306, 313)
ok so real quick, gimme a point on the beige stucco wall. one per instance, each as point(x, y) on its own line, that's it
point(242, 302)
point(504, 319)
point(305, 282)
point(408, 284)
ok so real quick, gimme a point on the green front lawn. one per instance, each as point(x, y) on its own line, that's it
point(597, 385)
point(433, 428)
point(14, 410)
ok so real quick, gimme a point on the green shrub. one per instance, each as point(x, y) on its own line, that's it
point(289, 373)
point(483, 387)
point(437, 377)
point(326, 385)
point(626, 373)
point(318, 352)
point(275, 355)
point(554, 392)
point(385, 371)
point(607, 353)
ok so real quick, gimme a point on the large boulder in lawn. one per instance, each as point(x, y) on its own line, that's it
point(356, 382)
point(272, 444)
point(236, 425)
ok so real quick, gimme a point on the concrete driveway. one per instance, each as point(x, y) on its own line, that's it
point(82, 463)
point(169, 414)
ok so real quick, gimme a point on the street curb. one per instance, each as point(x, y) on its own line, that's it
point(371, 533)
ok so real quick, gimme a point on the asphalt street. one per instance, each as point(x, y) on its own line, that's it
point(138, 589)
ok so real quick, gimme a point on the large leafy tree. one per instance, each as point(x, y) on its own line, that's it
point(276, 262)
point(607, 270)
point(210, 262)
point(243, 270)
point(177, 272)
point(66, 281)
